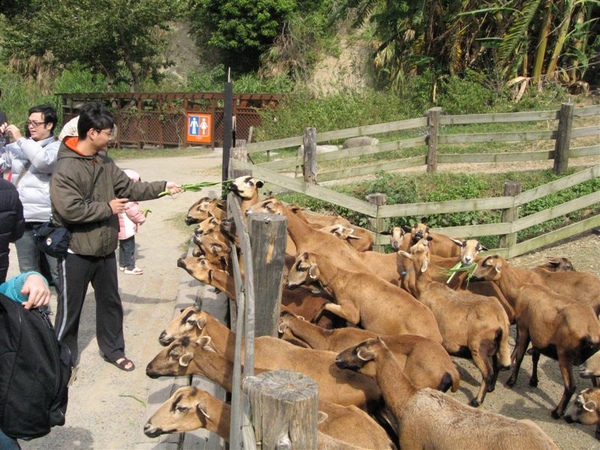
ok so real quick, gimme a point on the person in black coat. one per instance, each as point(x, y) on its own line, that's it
point(12, 223)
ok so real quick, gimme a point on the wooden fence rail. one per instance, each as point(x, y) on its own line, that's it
point(286, 174)
point(432, 137)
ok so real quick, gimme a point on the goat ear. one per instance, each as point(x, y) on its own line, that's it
point(322, 417)
point(589, 406)
point(365, 355)
point(202, 411)
point(312, 272)
point(205, 342)
point(458, 242)
point(185, 359)
point(281, 328)
point(425, 265)
point(201, 322)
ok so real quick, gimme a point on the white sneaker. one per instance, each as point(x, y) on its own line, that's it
point(134, 271)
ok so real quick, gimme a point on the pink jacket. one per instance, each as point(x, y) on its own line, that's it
point(130, 220)
point(132, 217)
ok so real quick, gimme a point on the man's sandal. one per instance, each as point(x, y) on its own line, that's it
point(123, 363)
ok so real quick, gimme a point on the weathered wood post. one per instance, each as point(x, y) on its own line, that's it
point(239, 153)
point(563, 138)
point(284, 408)
point(310, 155)
point(433, 129)
point(511, 189)
point(268, 235)
point(377, 224)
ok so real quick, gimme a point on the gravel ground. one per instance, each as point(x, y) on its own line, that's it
point(107, 407)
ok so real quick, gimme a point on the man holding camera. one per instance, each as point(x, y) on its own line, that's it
point(31, 160)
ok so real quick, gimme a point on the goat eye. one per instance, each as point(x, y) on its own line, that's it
point(182, 409)
point(192, 322)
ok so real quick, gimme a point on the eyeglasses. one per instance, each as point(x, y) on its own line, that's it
point(34, 123)
point(108, 133)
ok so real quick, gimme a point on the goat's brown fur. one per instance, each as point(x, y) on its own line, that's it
point(429, 419)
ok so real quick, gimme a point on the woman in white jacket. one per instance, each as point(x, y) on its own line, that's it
point(129, 222)
point(31, 160)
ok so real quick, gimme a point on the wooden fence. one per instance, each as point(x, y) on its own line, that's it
point(263, 245)
point(284, 172)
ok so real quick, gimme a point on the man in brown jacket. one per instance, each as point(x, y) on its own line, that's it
point(88, 191)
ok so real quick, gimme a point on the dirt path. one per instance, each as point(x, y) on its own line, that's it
point(107, 407)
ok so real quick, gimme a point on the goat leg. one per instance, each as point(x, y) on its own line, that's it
point(496, 371)
point(566, 370)
point(535, 357)
point(483, 364)
point(520, 348)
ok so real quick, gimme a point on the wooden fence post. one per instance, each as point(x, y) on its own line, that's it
point(433, 129)
point(268, 236)
point(563, 138)
point(511, 188)
point(284, 407)
point(239, 153)
point(310, 155)
point(378, 224)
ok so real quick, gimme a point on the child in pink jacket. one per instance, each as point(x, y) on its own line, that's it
point(129, 221)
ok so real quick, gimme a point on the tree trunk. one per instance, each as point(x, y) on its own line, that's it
point(563, 31)
point(542, 43)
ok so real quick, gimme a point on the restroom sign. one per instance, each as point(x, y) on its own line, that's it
point(199, 128)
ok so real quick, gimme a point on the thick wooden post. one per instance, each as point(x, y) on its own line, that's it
point(511, 188)
point(310, 155)
point(239, 153)
point(284, 409)
point(268, 235)
point(377, 224)
point(433, 129)
point(563, 138)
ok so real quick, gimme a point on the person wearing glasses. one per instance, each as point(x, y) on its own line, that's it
point(88, 192)
point(31, 159)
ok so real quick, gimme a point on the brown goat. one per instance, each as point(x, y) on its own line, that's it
point(585, 409)
point(400, 239)
point(364, 299)
point(200, 210)
point(584, 286)
point(429, 419)
point(186, 356)
point(190, 408)
point(304, 302)
point(440, 245)
point(557, 326)
point(472, 326)
point(306, 238)
point(425, 362)
point(246, 188)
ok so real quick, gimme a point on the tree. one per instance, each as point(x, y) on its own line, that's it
point(500, 36)
point(122, 39)
point(243, 29)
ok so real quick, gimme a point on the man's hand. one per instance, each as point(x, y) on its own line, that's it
point(118, 205)
point(13, 130)
point(173, 187)
point(37, 291)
